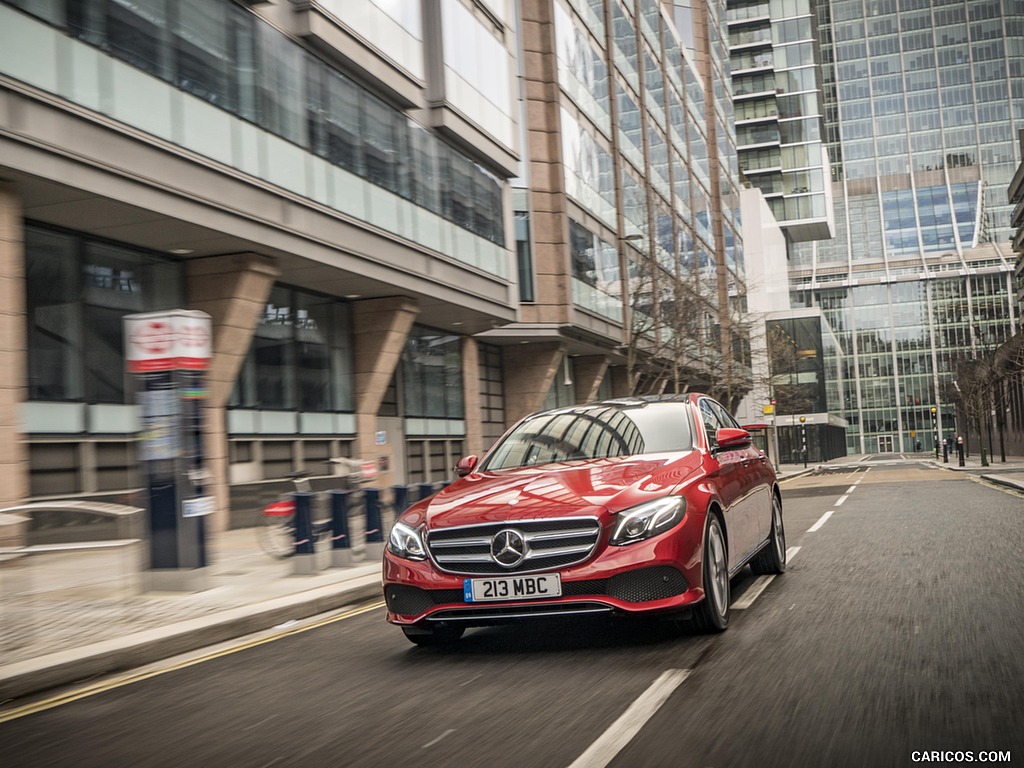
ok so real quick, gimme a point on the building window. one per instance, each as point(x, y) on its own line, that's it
point(301, 356)
point(78, 291)
point(430, 461)
point(432, 375)
point(595, 271)
point(492, 394)
point(524, 256)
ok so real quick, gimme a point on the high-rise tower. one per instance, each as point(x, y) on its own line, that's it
point(922, 100)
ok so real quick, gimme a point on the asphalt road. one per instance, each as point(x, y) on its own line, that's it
point(896, 630)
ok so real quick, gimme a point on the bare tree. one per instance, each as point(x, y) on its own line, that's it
point(974, 383)
point(1008, 363)
point(736, 377)
point(675, 339)
point(663, 349)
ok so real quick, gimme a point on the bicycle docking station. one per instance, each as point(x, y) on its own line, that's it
point(307, 531)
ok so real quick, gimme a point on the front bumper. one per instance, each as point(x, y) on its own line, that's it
point(657, 576)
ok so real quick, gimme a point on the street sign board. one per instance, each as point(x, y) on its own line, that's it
point(180, 339)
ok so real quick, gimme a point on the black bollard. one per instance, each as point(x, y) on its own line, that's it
point(400, 498)
point(374, 526)
point(304, 561)
point(945, 454)
point(341, 544)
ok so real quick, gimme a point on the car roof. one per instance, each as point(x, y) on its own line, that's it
point(622, 403)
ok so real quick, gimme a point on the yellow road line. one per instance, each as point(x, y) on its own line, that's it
point(134, 677)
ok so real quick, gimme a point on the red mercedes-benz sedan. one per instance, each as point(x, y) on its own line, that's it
point(631, 506)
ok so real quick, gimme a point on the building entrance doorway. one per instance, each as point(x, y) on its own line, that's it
point(885, 444)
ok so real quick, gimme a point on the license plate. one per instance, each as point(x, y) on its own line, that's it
point(512, 588)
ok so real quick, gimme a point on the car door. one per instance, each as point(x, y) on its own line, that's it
point(755, 472)
point(727, 472)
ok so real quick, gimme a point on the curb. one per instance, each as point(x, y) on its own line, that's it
point(1005, 481)
point(798, 473)
point(135, 650)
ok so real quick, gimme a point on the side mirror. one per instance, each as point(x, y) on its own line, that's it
point(466, 465)
point(729, 438)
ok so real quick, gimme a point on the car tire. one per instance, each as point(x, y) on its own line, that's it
point(712, 613)
point(772, 558)
point(435, 637)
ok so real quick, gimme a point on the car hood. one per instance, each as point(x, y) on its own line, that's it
point(598, 488)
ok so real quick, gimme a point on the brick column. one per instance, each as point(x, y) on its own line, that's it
point(380, 329)
point(588, 373)
point(13, 348)
point(233, 290)
point(471, 397)
point(529, 371)
point(549, 221)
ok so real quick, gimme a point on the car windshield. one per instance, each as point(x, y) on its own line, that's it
point(594, 432)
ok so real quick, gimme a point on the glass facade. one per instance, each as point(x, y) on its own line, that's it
point(393, 27)
point(921, 102)
point(230, 58)
point(477, 70)
point(776, 86)
point(639, 164)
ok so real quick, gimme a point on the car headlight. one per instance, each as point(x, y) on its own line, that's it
point(647, 520)
point(406, 542)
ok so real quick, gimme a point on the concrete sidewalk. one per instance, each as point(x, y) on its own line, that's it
point(972, 464)
point(70, 617)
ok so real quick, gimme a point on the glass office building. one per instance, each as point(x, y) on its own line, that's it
point(922, 100)
point(777, 92)
point(627, 217)
point(332, 183)
point(328, 181)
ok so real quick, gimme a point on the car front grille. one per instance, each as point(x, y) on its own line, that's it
point(556, 543)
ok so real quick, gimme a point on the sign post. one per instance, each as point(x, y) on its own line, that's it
point(167, 354)
point(803, 438)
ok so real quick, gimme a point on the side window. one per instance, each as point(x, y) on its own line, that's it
point(711, 422)
point(725, 418)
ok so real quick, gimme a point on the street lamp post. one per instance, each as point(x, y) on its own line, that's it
point(935, 432)
point(803, 437)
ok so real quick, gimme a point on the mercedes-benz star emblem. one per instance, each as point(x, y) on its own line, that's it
point(508, 548)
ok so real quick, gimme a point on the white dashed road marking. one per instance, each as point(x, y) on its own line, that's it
point(753, 592)
point(821, 521)
point(622, 731)
point(432, 743)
